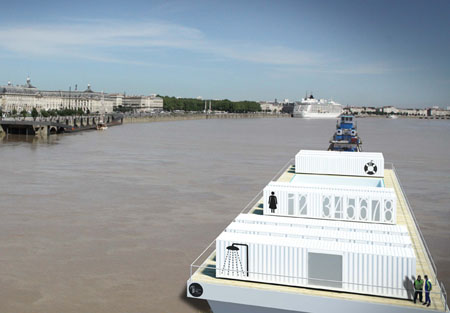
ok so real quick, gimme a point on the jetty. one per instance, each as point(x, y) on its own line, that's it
point(57, 125)
point(174, 116)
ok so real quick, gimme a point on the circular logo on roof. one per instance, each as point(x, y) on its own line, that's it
point(195, 290)
point(370, 168)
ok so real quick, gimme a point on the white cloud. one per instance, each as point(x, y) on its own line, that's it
point(95, 39)
point(109, 40)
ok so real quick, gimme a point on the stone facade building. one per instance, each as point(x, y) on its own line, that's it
point(26, 97)
point(140, 104)
point(272, 107)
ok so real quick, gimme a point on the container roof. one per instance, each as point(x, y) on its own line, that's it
point(321, 234)
point(377, 155)
point(354, 181)
point(337, 188)
point(322, 223)
point(323, 246)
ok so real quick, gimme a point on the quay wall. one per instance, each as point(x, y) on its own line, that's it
point(182, 117)
point(433, 117)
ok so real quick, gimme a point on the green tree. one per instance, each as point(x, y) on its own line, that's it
point(189, 104)
point(24, 113)
point(14, 112)
point(45, 113)
point(34, 113)
point(122, 109)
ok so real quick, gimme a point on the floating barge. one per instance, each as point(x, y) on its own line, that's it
point(354, 246)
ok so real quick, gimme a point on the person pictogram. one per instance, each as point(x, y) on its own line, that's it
point(273, 202)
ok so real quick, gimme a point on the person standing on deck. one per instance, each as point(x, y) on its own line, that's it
point(273, 202)
point(418, 287)
point(428, 288)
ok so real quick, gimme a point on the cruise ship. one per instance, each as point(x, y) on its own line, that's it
point(332, 232)
point(309, 107)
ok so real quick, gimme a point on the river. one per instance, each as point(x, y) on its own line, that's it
point(109, 221)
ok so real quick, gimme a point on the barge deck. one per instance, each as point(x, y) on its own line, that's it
point(288, 298)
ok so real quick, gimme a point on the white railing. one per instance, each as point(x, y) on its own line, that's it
point(358, 288)
point(423, 242)
point(258, 196)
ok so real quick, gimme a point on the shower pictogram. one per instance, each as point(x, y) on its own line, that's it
point(233, 262)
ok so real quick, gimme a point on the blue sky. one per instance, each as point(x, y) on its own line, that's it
point(355, 52)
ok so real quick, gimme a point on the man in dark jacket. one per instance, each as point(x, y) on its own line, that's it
point(418, 287)
point(273, 202)
point(428, 288)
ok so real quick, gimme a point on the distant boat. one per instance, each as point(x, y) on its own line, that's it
point(394, 117)
point(346, 136)
point(309, 107)
point(102, 126)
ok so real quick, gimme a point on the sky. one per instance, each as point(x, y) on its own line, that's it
point(372, 53)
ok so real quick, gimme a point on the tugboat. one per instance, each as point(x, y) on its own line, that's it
point(346, 136)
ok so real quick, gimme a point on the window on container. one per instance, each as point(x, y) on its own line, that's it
point(290, 203)
point(326, 206)
point(350, 210)
point(388, 208)
point(302, 205)
point(363, 209)
point(376, 216)
point(338, 207)
point(325, 270)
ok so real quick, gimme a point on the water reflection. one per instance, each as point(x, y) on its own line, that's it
point(14, 139)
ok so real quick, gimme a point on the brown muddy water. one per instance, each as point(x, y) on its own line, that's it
point(110, 221)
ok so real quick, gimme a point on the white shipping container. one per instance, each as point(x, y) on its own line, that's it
point(342, 226)
point(360, 268)
point(321, 234)
point(336, 202)
point(367, 164)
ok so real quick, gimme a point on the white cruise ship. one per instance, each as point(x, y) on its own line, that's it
point(332, 232)
point(309, 107)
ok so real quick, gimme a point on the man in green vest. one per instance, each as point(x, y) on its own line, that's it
point(418, 287)
point(428, 288)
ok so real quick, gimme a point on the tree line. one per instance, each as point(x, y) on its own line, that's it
point(63, 112)
point(190, 104)
point(46, 113)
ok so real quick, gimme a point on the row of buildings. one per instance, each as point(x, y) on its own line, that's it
point(287, 106)
point(26, 97)
point(390, 110)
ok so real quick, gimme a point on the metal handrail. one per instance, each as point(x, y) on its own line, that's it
point(423, 242)
point(442, 295)
point(256, 198)
point(249, 206)
point(204, 251)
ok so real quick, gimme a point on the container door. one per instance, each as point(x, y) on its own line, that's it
point(325, 270)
